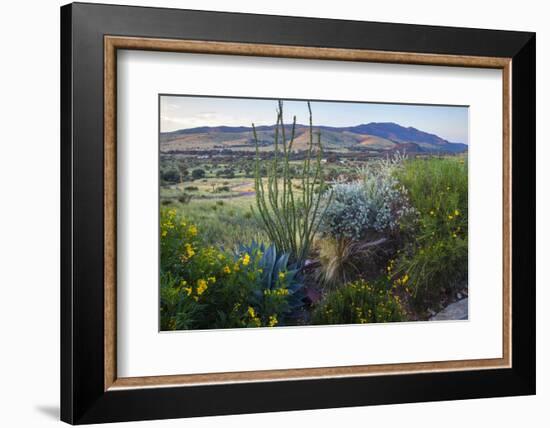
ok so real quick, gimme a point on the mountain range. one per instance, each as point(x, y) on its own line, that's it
point(373, 137)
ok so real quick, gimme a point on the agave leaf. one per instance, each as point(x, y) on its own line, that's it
point(294, 287)
point(280, 265)
point(270, 256)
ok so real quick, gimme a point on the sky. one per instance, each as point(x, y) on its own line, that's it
point(182, 112)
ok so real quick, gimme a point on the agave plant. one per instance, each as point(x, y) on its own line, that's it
point(277, 273)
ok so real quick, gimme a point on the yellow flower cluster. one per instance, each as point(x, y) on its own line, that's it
point(272, 322)
point(243, 260)
point(202, 285)
point(454, 214)
point(389, 268)
point(361, 316)
point(168, 223)
point(192, 230)
point(363, 285)
point(251, 312)
point(183, 286)
point(402, 282)
point(276, 292)
point(254, 318)
point(189, 252)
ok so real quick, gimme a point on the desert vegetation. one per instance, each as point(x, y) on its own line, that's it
point(299, 235)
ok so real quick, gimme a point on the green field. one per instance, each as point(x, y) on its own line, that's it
point(223, 208)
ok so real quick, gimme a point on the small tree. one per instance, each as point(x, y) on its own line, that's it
point(171, 175)
point(290, 221)
point(198, 174)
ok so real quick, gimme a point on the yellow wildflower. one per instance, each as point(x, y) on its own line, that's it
point(450, 217)
point(282, 276)
point(252, 314)
point(201, 286)
point(189, 250)
point(192, 230)
point(273, 320)
point(227, 269)
point(188, 290)
point(212, 279)
point(246, 259)
point(457, 212)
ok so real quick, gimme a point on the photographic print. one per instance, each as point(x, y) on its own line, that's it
point(284, 212)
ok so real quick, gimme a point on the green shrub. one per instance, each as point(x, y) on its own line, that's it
point(198, 173)
point(360, 302)
point(436, 256)
point(171, 174)
point(185, 198)
point(177, 311)
point(203, 287)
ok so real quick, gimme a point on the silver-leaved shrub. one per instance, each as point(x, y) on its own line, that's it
point(375, 202)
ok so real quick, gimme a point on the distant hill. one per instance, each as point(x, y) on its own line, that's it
point(375, 137)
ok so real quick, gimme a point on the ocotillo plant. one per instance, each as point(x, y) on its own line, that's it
point(290, 220)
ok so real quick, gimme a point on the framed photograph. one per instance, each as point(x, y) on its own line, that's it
point(266, 213)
